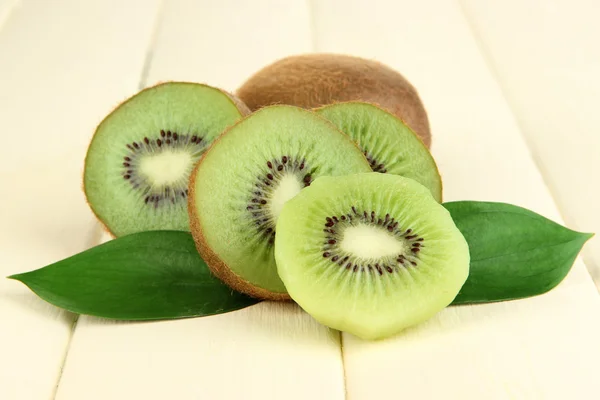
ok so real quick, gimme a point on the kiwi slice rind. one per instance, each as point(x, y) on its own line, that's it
point(139, 161)
point(389, 143)
point(239, 186)
point(370, 254)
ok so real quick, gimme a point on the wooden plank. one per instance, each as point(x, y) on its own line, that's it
point(547, 64)
point(267, 351)
point(6, 8)
point(544, 347)
point(222, 43)
point(270, 350)
point(57, 81)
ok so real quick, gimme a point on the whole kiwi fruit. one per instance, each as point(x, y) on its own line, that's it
point(314, 80)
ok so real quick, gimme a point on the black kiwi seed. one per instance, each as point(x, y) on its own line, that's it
point(331, 249)
point(153, 196)
point(375, 166)
point(266, 182)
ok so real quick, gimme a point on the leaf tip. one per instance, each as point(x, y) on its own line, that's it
point(16, 277)
point(586, 235)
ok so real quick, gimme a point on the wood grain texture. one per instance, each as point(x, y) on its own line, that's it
point(268, 351)
point(542, 347)
point(56, 82)
point(547, 64)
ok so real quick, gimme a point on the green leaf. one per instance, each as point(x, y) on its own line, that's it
point(143, 276)
point(515, 253)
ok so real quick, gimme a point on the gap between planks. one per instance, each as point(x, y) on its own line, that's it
point(533, 153)
point(96, 239)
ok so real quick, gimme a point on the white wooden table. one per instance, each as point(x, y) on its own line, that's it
point(513, 94)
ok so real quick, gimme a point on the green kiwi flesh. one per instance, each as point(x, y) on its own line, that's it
point(370, 254)
point(389, 144)
point(139, 161)
point(241, 183)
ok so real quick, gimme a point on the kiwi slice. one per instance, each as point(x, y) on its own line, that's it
point(389, 144)
point(314, 80)
point(240, 185)
point(139, 161)
point(370, 254)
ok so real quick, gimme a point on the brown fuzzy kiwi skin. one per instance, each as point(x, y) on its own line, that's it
point(314, 80)
point(239, 104)
point(215, 264)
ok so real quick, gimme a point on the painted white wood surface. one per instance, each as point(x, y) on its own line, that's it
point(268, 351)
point(223, 42)
point(546, 56)
point(56, 81)
point(536, 348)
point(6, 8)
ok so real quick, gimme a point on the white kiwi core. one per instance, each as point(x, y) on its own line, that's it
point(166, 168)
point(370, 242)
point(289, 186)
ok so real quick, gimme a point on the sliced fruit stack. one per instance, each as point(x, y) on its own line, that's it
point(335, 205)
